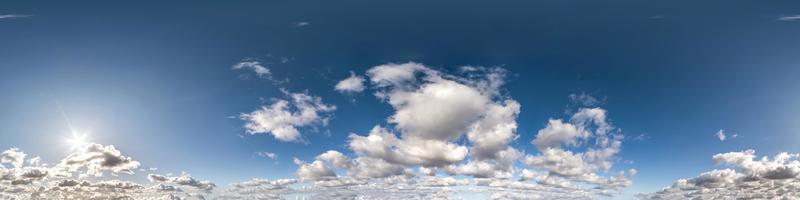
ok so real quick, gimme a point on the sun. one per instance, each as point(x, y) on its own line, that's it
point(77, 140)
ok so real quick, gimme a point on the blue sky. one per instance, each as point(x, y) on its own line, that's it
point(157, 79)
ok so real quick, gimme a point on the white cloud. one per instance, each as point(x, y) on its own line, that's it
point(269, 155)
point(256, 66)
point(395, 74)
point(554, 157)
point(316, 170)
point(38, 181)
point(557, 133)
point(13, 156)
point(354, 83)
point(721, 135)
point(790, 18)
point(750, 178)
point(455, 129)
point(283, 118)
point(98, 158)
point(183, 180)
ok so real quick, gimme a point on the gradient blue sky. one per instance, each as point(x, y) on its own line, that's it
point(155, 79)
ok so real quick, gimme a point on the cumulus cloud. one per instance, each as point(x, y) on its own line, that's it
point(283, 118)
point(598, 155)
point(448, 134)
point(182, 180)
point(97, 158)
point(13, 156)
point(38, 181)
point(748, 178)
point(354, 83)
point(462, 125)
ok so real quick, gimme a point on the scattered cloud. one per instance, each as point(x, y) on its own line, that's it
point(464, 146)
point(282, 118)
point(183, 180)
point(269, 155)
point(409, 158)
point(354, 83)
point(748, 178)
point(721, 135)
point(256, 66)
point(789, 18)
point(584, 99)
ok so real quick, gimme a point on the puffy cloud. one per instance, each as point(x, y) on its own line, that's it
point(750, 178)
point(13, 156)
point(282, 118)
point(412, 151)
point(495, 130)
point(395, 74)
point(183, 180)
point(37, 181)
point(354, 83)
point(316, 170)
point(557, 133)
point(557, 160)
point(433, 110)
point(98, 158)
point(336, 158)
point(256, 66)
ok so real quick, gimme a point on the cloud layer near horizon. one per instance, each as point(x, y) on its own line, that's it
point(746, 178)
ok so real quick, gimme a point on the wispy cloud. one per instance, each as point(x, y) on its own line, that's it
point(269, 155)
point(301, 24)
point(2, 17)
point(790, 18)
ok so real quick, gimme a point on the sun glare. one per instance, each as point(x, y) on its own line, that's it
point(77, 140)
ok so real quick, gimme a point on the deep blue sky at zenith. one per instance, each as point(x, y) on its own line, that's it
point(155, 79)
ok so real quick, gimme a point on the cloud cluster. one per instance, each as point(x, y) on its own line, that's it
point(283, 117)
point(445, 126)
point(448, 135)
point(80, 176)
point(748, 178)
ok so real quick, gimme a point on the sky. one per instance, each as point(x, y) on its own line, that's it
point(400, 99)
